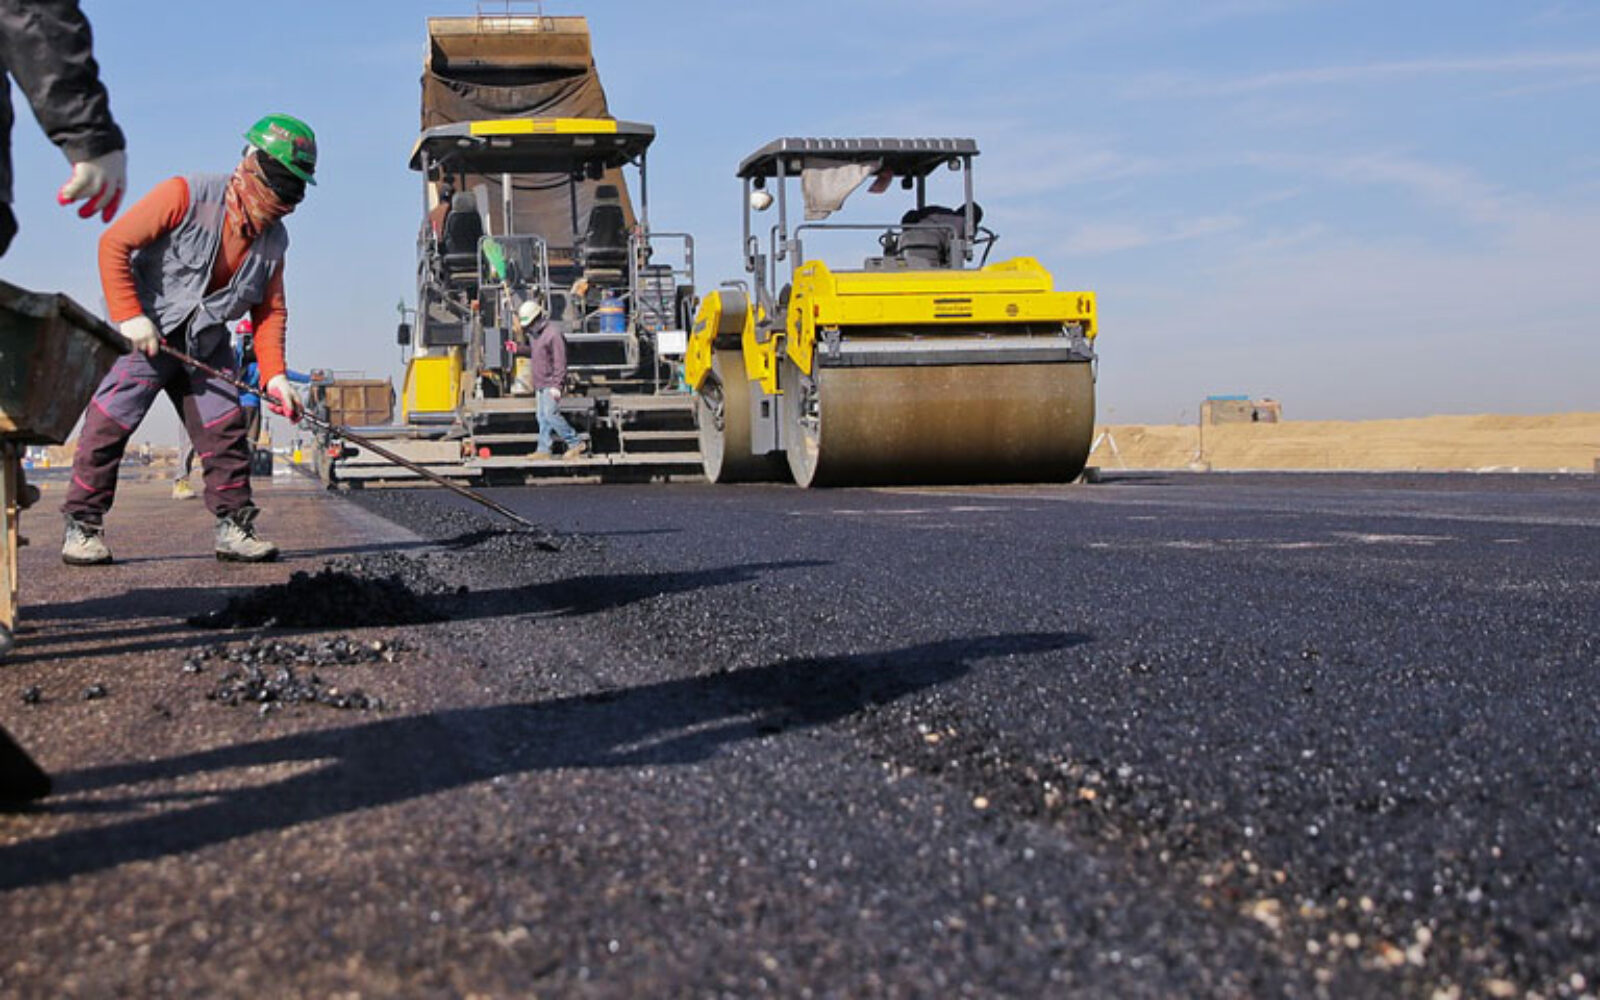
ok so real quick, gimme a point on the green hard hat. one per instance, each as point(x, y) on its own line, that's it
point(288, 140)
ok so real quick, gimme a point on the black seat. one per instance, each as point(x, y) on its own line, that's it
point(463, 228)
point(605, 241)
point(932, 229)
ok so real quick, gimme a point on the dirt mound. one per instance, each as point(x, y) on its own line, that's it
point(1567, 442)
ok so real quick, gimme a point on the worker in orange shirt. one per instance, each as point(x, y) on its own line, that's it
point(192, 256)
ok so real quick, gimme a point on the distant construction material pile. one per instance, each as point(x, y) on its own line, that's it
point(1240, 410)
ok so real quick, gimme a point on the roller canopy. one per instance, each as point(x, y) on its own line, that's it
point(905, 157)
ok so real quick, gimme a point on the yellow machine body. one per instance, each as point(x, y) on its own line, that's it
point(1000, 295)
point(433, 385)
point(1005, 294)
point(723, 322)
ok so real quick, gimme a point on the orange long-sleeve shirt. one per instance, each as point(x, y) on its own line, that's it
point(159, 212)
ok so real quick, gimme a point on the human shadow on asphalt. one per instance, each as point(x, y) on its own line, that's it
point(353, 768)
point(593, 593)
point(133, 603)
point(565, 597)
point(90, 644)
point(134, 621)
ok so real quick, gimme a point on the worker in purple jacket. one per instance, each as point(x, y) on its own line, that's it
point(542, 340)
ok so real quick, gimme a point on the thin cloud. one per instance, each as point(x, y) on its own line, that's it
point(1551, 86)
point(1567, 12)
point(1586, 62)
point(1459, 191)
point(1092, 239)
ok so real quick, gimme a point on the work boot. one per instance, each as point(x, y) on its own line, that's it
point(541, 456)
point(237, 541)
point(576, 452)
point(84, 544)
point(181, 490)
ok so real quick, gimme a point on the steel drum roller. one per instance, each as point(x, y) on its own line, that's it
point(723, 422)
point(983, 423)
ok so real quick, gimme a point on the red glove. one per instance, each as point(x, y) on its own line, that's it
point(511, 347)
point(100, 181)
point(280, 399)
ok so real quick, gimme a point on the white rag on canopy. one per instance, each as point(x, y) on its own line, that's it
point(827, 183)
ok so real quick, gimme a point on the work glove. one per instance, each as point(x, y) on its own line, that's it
point(511, 348)
point(142, 334)
point(100, 180)
point(281, 399)
point(555, 394)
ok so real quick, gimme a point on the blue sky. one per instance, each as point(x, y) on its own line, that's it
point(1362, 209)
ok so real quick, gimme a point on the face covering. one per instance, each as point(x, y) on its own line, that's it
point(251, 201)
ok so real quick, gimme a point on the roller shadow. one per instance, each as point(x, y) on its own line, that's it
point(1136, 478)
point(359, 767)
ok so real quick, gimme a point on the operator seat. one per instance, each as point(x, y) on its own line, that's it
point(463, 228)
point(927, 244)
point(605, 241)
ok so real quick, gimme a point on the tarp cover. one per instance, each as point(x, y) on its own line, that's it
point(539, 79)
point(827, 183)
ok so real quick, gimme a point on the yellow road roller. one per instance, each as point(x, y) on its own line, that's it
point(921, 363)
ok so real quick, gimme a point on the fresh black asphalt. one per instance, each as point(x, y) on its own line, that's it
point(1169, 735)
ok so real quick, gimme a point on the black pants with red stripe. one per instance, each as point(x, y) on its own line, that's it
point(211, 415)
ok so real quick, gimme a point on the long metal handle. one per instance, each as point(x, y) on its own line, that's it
point(357, 439)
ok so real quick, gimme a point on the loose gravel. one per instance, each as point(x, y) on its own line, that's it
point(269, 673)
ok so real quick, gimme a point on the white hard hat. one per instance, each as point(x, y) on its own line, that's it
point(530, 311)
point(760, 200)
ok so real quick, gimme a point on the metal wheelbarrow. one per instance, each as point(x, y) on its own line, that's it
point(52, 355)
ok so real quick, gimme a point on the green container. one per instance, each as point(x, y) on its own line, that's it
point(52, 355)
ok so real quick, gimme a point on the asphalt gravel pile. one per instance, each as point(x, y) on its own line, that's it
point(271, 673)
point(358, 591)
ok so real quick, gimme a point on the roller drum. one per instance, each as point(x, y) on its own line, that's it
point(722, 417)
point(935, 424)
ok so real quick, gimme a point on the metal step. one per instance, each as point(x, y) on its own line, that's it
point(684, 458)
point(689, 435)
point(676, 402)
point(388, 470)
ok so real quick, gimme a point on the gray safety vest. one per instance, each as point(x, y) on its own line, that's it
point(172, 273)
